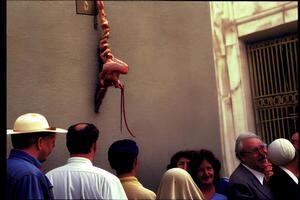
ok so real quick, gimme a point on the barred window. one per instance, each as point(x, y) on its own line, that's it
point(273, 66)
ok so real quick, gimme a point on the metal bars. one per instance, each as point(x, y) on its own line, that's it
point(273, 66)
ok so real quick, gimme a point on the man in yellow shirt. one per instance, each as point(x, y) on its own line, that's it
point(122, 156)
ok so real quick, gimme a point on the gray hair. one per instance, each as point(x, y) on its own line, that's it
point(240, 139)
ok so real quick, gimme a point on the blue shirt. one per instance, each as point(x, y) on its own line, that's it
point(24, 179)
point(218, 196)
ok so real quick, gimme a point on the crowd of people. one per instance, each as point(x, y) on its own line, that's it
point(265, 172)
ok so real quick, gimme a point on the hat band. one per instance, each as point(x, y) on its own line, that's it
point(50, 129)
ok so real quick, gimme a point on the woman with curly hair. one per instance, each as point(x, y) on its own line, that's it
point(205, 170)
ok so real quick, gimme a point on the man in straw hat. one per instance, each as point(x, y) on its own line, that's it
point(33, 140)
point(284, 182)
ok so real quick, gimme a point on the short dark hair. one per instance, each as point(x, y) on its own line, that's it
point(180, 154)
point(205, 154)
point(26, 140)
point(121, 155)
point(81, 137)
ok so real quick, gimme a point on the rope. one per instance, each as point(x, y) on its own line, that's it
point(123, 114)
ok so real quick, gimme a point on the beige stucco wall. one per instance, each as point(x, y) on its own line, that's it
point(171, 97)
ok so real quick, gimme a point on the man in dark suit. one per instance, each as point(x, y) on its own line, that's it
point(284, 182)
point(247, 180)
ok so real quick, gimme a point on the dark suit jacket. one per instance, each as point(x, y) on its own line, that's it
point(283, 186)
point(243, 185)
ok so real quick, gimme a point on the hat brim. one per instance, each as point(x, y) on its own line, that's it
point(56, 130)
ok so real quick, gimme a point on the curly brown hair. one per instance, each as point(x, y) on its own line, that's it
point(201, 155)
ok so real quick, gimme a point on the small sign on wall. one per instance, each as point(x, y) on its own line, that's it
point(86, 7)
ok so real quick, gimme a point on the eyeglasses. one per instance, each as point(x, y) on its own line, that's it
point(259, 149)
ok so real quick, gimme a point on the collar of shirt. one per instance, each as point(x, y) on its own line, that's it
point(16, 153)
point(128, 178)
point(131, 180)
point(290, 174)
point(260, 176)
point(80, 160)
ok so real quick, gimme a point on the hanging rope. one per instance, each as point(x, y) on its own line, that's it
point(123, 113)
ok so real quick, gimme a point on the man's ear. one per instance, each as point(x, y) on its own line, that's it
point(135, 163)
point(39, 143)
point(242, 158)
point(95, 147)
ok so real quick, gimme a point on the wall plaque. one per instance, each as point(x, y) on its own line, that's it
point(86, 7)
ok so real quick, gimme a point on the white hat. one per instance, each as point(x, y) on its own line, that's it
point(33, 122)
point(281, 151)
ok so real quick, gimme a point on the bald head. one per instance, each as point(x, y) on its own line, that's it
point(81, 137)
point(79, 127)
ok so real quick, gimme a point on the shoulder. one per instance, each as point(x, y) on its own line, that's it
point(146, 191)
point(86, 171)
point(106, 177)
point(240, 169)
point(20, 168)
point(106, 174)
point(151, 194)
point(240, 174)
point(135, 190)
point(218, 196)
point(56, 171)
point(139, 192)
point(279, 177)
point(148, 194)
point(96, 171)
point(240, 183)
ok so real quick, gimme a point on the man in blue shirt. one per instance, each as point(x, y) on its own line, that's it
point(33, 140)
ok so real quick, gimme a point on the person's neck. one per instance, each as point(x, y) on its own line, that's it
point(31, 151)
point(87, 156)
point(208, 191)
point(132, 173)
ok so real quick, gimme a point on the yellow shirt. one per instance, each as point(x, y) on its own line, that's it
point(135, 190)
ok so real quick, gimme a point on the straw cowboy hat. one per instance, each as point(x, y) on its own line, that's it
point(31, 123)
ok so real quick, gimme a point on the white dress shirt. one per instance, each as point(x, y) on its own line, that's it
point(79, 179)
point(260, 176)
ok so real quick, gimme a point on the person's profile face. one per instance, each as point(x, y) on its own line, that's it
point(47, 146)
point(205, 173)
point(295, 140)
point(183, 163)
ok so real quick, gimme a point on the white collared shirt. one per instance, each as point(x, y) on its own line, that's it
point(290, 174)
point(79, 179)
point(260, 176)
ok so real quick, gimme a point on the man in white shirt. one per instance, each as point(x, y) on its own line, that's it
point(79, 179)
point(284, 182)
point(247, 180)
